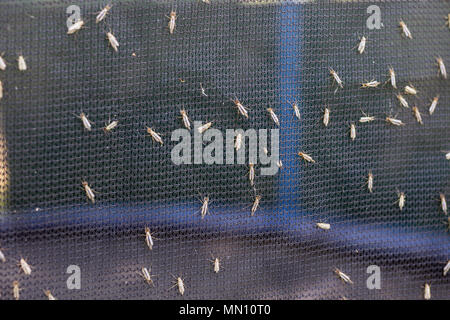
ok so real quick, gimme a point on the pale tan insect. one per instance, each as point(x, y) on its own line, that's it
point(405, 29)
point(1, 90)
point(180, 284)
point(306, 157)
point(326, 117)
point(336, 78)
point(16, 290)
point(402, 101)
point(352, 131)
point(85, 121)
point(2, 257)
point(145, 273)
point(447, 156)
point(148, 238)
point(343, 276)
point(362, 45)
point(296, 110)
point(433, 105)
point(392, 77)
point(442, 69)
point(401, 200)
point(447, 268)
point(111, 126)
point(102, 14)
point(172, 18)
point(323, 226)
point(417, 114)
point(409, 89)
point(49, 295)
point(370, 182)
point(241, 109)
point(370, 84)
point(26, 268)
point(185, 118)
point(155, 136)
point(273, 116)
point(395, 122)
point(75, 27)
point(427, 292)
point(21, 64)
point(251, 173)
point(205, 209)
point(203, 90)
point(2, 63)
point(366, 118)
point(89, 192)
point(204, 127)
point(443, 203)
point(238, 141)
point(256, 204)
point(216, 264)
point(113, 41)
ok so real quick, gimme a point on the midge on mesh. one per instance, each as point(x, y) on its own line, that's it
point(323, 225)
point(216, 264)
point(362, 45)
point(402, 101)
point(392, 78)
point(409, 89)
point(296, 109)
point(427, 291)
point(370, 84)
point(352, 131)
point(178, 283)
point(443, 203)
point(155, 136)
point(405, 31)
point(401, 200)
point(21, 64)
point(366, 118)
point(447, 22)
point(256, 204)
point(148, 238)
point(241, 109)
point(273, 116)
point(336, 78)
point(145, 273)
point(112, 41)
point(204, 210)
point(433, 105)
point(343, 276)
point(417, 114)
point(172, 18)
point(85, 121)
point(102, 14)
point(2, 64)
point(2, 257)
point(441, 66)
point(1, 90)
point(26, 268)
point(16, 290)
point(370, 181)
point(112, 125)
point(446, 268)
point(326, 117)
point(185, 118)
point(75, 27)
point(203, 90)
point(49, 295)
point(394, 121)
point(204, 127)
point(89, 192)
point(306, 157)
point(251, 173)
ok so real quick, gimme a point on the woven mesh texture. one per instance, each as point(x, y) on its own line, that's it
point(267, 54)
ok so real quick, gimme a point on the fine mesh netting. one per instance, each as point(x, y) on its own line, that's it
point(266, 54)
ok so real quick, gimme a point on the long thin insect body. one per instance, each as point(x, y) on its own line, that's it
point(280, 164)
point(148, 238)
point(111, 126)
point(409, 89)
point(417, 115)
point(392, 78)
point(336, 78)
point(185, 118)
point(172, 23)
point(180, 284)
point(433, 105)
point(16, 290)
point(251, 173)
point(89, 192)
point(1, 90)
point(323, 226)
point(343, 276)
point(75, 27)
point(370, 84)
point(405, 29)
point(26, 268)
point(306, 157)
point(2, 257)
point(446, 268)
point(21, 64)
point(370, 182)
point(145, 273)
point(102, 14)
point(352, 131)
point(273, 116)
point(241, 109)
point(113, 41)
point(238, 141)
point(442, 68)
point(85, 121)
point(447, 22)
point(216, 264)
point(205, 209)
point(326, 117)
point(296, 110)
point(366, 118)
point(204, 127)
point(447, 156)
point(427, 292)
point(362, 45)
point(203, 90)
point(402, 101)
point(401, 200)
point(49, 295)
point(2, 64)
point(155, 136)
point(256, 204)
point(443, 203)
point(395, 122)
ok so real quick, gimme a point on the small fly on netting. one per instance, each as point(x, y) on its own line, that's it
point(326, 117)
point(446, 268)
point(306, 157)
point(148, 238)
point(185, 118)
point(216, 264)
point(251, 174)
point(145, 273)
point(102, 14)
point(26, 268)
point(155, 136)
point(417, 114)
point(296, 110)
point(352, 131)
point(362, 45)
point(178, 283)
point(1, 90)
point(392, 78)
point(442, 69)
point(273, 116)
point(323, 225)
point(405, 31)
point(21, 64)
point(370, 182)
point(401, 200)
point(111, 126)
point(366, 118)
point(2, 257)
point(336, 78)
point(394, 121)
point(204, 127)
point(85, 121)
point(49, 295)
point(241, 109)
point(409, 89)
point(256, 204)
point(433, 105)
point(172, 18)
point(370, 84)
point(427, 292)
point(204, 210)
point(113, 41)
point(203, 90)
point(343, 276)
point(443, 203)
point(75, 27)
point(16, 290)
point(89, 192)
point(2, 64)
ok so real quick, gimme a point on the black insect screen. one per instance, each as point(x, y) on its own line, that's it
point(267, 54)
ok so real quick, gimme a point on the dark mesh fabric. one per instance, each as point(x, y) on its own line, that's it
point(268, 54)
